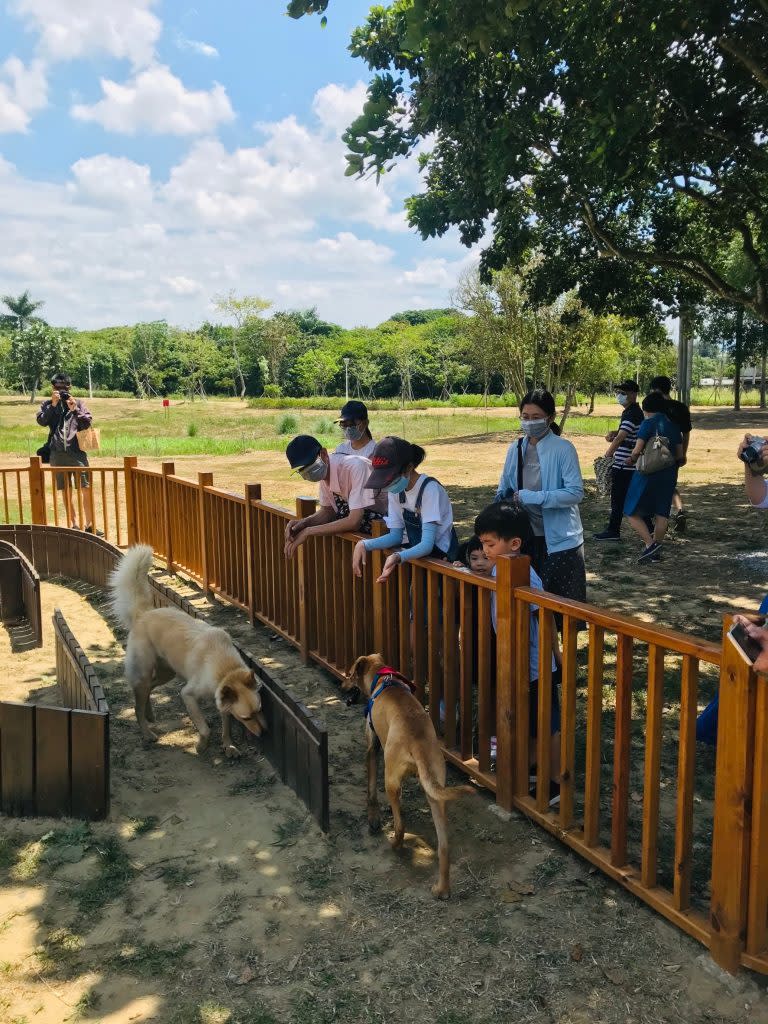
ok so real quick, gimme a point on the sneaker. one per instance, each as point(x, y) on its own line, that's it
point(97, 533)
point(651, 554)
point(680, 522)
point(606, 535)
point(554, 791)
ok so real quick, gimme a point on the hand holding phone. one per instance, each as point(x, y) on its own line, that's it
point(750, 649)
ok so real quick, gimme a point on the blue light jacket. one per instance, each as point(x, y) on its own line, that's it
point(562, 488)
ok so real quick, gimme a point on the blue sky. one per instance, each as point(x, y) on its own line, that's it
point(155, 154)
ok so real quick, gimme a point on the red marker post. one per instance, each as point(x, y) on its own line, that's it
point(167, 407)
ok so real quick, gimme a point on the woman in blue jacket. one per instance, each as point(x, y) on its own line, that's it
point(542, 473)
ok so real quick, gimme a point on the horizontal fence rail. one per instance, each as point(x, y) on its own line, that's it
point(630, 785)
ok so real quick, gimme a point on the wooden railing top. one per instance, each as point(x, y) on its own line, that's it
point(626, 625)
point(11, 549)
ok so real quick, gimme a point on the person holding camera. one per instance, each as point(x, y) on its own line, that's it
point(64, 415)
point(753, 452)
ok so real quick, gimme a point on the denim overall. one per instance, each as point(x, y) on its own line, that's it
point(413, 526)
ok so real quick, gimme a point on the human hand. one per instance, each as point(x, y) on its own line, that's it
point(389, 567)
point(71, 404)
point(294, 542)
point(611, 435)
point(359, 558)
point(760, 635)
point(291, 528)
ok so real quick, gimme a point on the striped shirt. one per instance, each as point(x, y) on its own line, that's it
point(630, 422)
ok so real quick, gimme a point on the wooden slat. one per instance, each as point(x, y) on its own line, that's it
point(522, 689)
point(52, 764)
point(621, 751)
point(485, 708)
point(651, 778)
point(568, 717)
point(544, 723)
point(757, 910)
point(403, 617)
point(419, 653)
point(17, 758)
point(89, 756)
point(450, 662)
point(466, 668)
point(594, 723)
point(434, 640)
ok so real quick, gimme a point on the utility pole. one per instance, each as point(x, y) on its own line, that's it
point(685, 355)
point(90, 383)
point(346, 378)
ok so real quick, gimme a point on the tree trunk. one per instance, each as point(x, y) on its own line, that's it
point(685, 356)
point(763, 361)
point(238, 368)
point(35, 384)
point(591, 408)
point(570, 393)
point(738, 356)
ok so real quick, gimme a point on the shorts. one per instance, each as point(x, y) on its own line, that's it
point(533, 706)
point(70, 458)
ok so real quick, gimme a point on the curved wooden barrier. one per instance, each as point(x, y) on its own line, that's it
point(20, 596)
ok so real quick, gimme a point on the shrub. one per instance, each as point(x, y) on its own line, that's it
point(287, 425)
point(324, 426)
point(192, 430)
point(272, 391)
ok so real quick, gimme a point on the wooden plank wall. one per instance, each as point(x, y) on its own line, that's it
point(20, 585)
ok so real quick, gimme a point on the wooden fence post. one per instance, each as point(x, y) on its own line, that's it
point(203, 480)
point(129, 465)
point(37, 491)
point(375, 565)
point(252, 493)
point(510, 573)
point(167, 469)
point(304, 507)
point(733, 807)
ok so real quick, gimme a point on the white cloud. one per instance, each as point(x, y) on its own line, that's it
point(112, 181)
point(155, 100)
point(277, 218)
point(23, 91)
point(202, 49)
point(336, 107)
point(70, 29)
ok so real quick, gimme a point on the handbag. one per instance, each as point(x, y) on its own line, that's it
point(44, 451)
point(89, 439)
point(603, 474)
point(656, 455)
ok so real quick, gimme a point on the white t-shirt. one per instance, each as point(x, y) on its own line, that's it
point(345, 448)
point(435, 508)
point(347, 478)
point(764, 502)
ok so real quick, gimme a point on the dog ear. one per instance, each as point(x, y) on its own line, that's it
point(358, 667)
point(227, 696)
point(253, 682)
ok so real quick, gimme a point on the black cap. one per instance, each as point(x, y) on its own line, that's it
point(302, 451)
point(628, 385)
point(353, 410)
point(389, 457)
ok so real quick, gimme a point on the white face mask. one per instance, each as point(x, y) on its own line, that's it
point(353, 433)
point(623, 400)
point(534, 428)
point(315, 472)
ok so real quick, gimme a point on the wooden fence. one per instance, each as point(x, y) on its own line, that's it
point(20, 597)
point(54, 761)
point(435, 623)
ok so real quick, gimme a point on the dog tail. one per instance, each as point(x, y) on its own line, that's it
point(432, 787)
point(129, 586)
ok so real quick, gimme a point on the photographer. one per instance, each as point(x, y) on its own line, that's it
point(753, 452)
point(64, 415)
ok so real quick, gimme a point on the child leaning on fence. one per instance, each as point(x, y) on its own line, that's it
point(503, 528)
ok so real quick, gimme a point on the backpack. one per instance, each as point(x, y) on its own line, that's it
point(656, 455)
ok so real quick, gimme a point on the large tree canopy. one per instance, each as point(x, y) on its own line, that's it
point(625, 141)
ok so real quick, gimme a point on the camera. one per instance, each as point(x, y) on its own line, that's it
point(751, 454)
point(64, 397)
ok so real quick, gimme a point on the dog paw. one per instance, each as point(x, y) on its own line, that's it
point(231, 751)
point(149, 737)
point(202, 744)
point(374, 826)
point(439, 893)
point(397, 840)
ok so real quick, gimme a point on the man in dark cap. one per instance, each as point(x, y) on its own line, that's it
point(622, 441)
point(346, 504)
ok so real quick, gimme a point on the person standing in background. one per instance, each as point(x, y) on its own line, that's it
point(622, 441)
point(358, 440)
point(680, 415)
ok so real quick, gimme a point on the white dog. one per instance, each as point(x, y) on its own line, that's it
point(201, 655)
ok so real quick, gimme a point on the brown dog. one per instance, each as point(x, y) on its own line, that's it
point(396, 721)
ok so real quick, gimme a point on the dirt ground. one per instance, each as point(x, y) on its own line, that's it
point(210, 897)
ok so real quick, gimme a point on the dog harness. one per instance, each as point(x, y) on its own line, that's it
point(391, 677)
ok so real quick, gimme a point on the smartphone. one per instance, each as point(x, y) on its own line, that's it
point(750, 648)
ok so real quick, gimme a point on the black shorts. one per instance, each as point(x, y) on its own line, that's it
point(70, 458)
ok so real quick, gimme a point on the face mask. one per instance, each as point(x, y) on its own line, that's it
point(397, 486)
point(314, 473)
point(534, 428)
point(353, 433)
point(622, 400)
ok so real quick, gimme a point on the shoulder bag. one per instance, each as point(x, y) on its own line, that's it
point(656, 455)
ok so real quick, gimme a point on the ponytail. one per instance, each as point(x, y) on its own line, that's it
point(417, 455)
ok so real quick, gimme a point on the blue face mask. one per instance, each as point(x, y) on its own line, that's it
point(534, 428)
point(397, 486)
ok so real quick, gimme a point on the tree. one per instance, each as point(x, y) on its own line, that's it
point(148, 358)
point(244, 310)
point(38, 351)
point(22, 311)
point(626, 143)
point(315, 369)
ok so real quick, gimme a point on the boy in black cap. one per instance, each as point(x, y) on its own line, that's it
point(353, 420)
point(622, 441)
point(346, 505)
